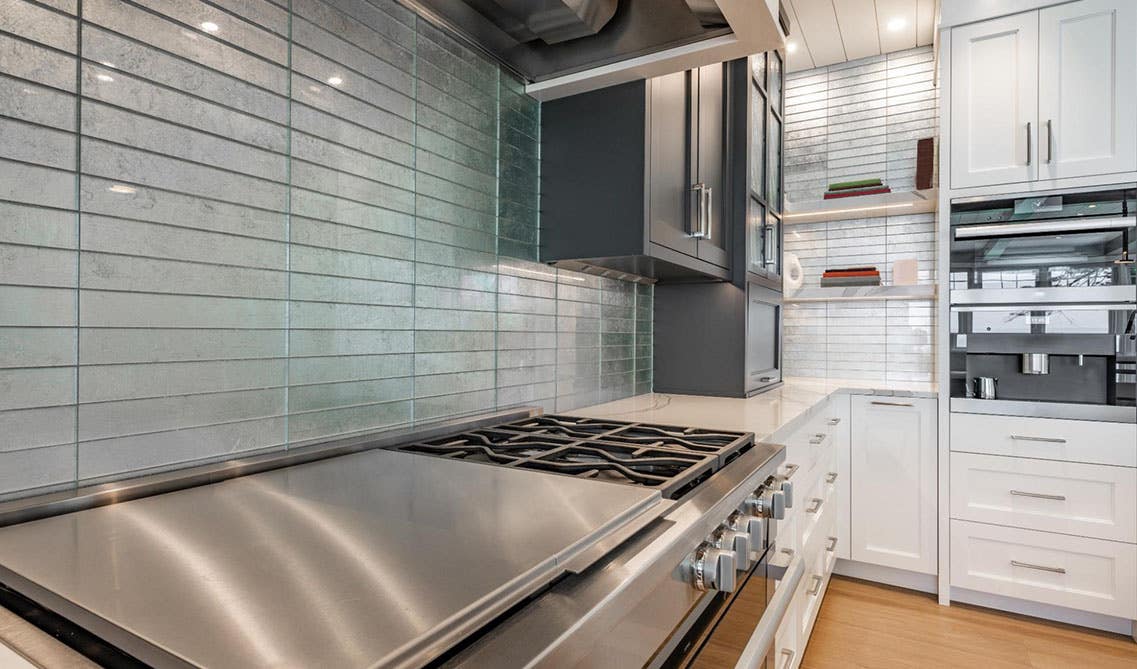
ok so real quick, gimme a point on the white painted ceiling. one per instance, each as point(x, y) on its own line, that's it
point(823, 32)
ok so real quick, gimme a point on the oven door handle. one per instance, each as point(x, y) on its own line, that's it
point(754, 655)
point(1075, 225)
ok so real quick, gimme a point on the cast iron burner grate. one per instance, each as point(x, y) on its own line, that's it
point(672, 459)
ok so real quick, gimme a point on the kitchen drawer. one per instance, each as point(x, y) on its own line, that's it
point(1075, 572)
point(1073, 498)
point(787, 653)
point(1046, 438)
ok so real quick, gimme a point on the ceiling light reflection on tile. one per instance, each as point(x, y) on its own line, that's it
point(122, 189)
point(210, 27)
point(335, 80)
point(897, 23)
point(105, 78)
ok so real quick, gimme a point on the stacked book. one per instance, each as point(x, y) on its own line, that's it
point(850, 276)
point(855, 188)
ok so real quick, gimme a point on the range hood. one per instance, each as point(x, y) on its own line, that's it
point(565, 47)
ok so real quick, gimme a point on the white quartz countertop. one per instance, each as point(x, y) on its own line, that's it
point(762, 414)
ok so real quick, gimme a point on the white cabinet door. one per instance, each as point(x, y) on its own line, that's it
point(893, 482)
point(1087, 88)
point(994, 101)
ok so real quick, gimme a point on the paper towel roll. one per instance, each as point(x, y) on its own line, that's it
point(793, 275)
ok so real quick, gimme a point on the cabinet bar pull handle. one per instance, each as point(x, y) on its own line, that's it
point(1038, 495)
point(832, 544)
point(789, 655)
point(815, 505)
point(708, 212)
point(817, 581)
point(891, 404)
point(1028, 143)
point(1039, 567)
point(817, 438)
point(831, 477)
point(695, 222)
point(834, 421)
point(1045, 440)
point(791, 470)
point(1049, 142)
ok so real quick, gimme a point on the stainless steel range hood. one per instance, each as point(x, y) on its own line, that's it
point(564, 47)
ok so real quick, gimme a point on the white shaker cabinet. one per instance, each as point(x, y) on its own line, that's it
point(1044, 95)
point(1087, 88)
point(994, 101)
point(893, 477)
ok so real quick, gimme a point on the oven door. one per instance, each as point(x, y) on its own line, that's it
point(737, 629)
point(1068, 247)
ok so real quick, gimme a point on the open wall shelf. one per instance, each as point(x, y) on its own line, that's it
point(861, 293)
point(862, 206)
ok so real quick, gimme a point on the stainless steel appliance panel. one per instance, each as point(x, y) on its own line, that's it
point(379, 558)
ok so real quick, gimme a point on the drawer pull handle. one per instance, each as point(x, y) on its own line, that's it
point(791, 470)
point(831, 477)
point(815, 505)
point(817, 438)
point(817, 581)
point(789, 655)
point(789, 553)
point(834, 421)
point(832, 544)
point(1039, 567)
point(1045, 440)
point(1038, 495)
point(891, 404)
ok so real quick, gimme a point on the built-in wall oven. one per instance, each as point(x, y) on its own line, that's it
point(1043, 304)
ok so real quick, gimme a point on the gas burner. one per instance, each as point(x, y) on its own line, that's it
point(671, 459)
point(570, 426)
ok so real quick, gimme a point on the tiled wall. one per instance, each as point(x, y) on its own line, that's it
point(847, 121)
point(235, 225)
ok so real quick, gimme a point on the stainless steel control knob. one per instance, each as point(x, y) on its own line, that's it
point(767, 503)
point(787, 488)
point(753, 526)
point(713, 568)
point(734, 540)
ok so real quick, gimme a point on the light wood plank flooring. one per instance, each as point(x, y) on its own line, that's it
point(871, 626)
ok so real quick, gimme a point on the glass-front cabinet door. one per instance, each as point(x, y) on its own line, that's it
point(764, 222)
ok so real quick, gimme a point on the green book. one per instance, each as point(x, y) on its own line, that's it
point(860, 183)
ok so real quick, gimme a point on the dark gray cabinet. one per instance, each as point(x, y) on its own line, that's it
point(726, 338)
point(633, 178)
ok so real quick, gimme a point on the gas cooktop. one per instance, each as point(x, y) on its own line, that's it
point(673, 460)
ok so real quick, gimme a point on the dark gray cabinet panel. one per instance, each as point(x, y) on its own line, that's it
point(711, 140)
point(618, 167)
point(669, 185)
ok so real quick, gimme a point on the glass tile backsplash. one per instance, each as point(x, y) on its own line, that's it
point(231, 227)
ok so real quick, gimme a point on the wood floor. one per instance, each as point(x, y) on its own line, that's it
point(870, 626)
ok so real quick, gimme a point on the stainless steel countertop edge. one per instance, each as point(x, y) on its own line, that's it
point(27, 509)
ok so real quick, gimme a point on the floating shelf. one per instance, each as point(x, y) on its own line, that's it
point(862, 206)
point(861, 294)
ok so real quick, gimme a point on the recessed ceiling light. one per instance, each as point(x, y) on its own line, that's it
point(791, 47)
point(897, 23)
point(120, 188)
point(210, 27)
point(105, 78)
point(335, 81)
point(107, 63)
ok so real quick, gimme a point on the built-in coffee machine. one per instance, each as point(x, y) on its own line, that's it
point(1043, 304)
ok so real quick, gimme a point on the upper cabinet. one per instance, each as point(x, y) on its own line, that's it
point(633, 178)
point(1047, 94)
point(1087, 88)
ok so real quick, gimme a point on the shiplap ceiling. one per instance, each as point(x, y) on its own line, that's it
point(823, 32)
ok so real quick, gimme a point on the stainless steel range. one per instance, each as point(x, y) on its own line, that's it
point(515, 539)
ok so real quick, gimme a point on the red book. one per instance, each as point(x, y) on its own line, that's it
point(872, 191)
